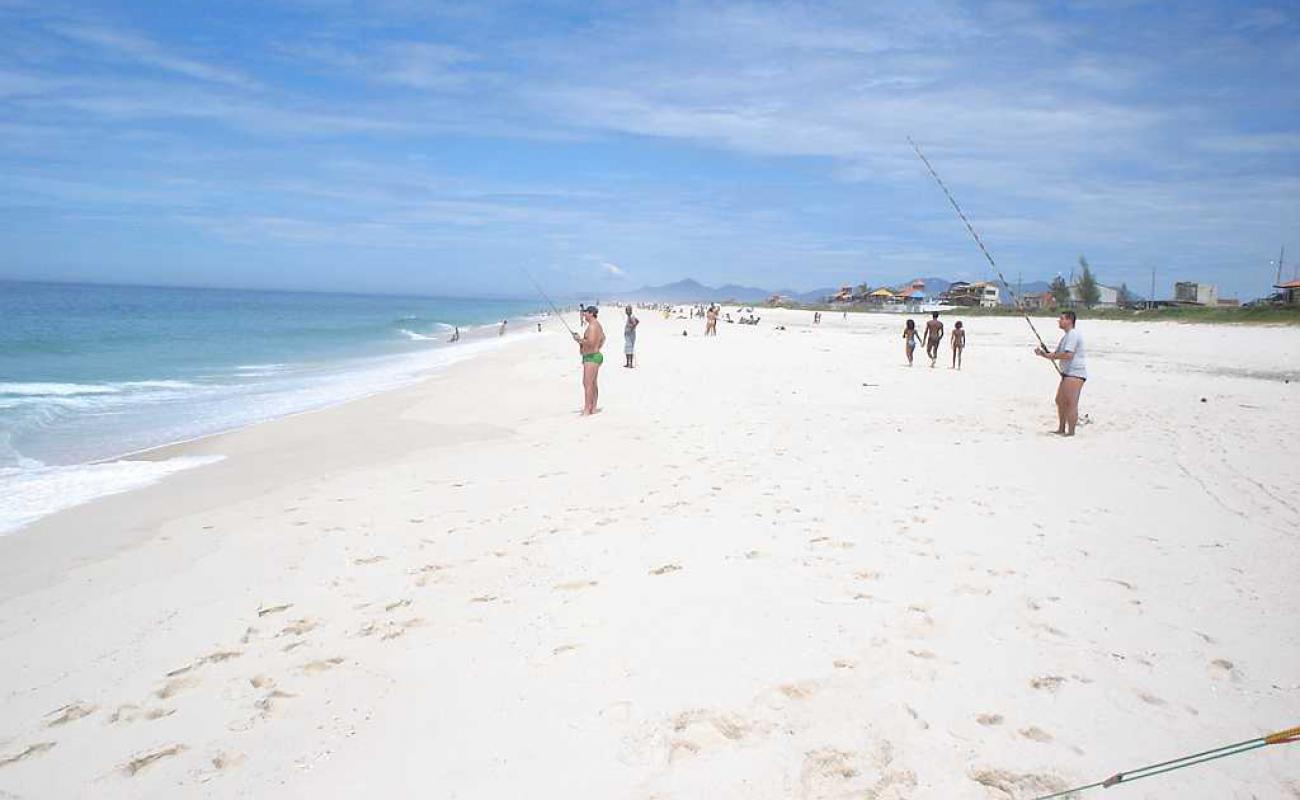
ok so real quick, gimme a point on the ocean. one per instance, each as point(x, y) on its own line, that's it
point(90, 374)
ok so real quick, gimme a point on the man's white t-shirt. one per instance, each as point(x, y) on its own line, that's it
point(1077, 366)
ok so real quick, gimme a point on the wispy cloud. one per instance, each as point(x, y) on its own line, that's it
point(141, 50)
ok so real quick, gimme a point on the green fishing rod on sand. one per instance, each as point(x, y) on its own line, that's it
point(983, 249)
point(1281, 737)
point(538, 287)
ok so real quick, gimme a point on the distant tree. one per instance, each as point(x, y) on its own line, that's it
point(1124, 297)
point(1089, 294)
point(1060, 292)
point(863, 290)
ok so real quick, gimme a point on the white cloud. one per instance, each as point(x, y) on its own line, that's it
point(613, 269)
point(140, 49)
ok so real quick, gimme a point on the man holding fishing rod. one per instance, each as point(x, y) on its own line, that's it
point(589, 344)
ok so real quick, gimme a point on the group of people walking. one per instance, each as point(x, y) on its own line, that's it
point(933, 336)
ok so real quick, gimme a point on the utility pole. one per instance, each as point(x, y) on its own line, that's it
point(1279, 265)
point(1153, 287)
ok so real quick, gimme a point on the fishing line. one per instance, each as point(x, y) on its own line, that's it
point(1019, 305)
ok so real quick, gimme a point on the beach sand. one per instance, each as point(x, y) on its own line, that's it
point(779, 564)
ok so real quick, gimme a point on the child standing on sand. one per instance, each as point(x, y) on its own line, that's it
point(958, 344)
point(912, 338)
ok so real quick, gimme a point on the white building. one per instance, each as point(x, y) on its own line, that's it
point(1201, 294)
point(1107, 296)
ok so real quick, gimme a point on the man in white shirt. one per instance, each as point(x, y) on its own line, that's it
point(1074, 372)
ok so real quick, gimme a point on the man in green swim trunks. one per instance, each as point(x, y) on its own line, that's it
point(589, 344)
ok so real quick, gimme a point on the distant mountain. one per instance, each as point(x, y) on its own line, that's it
point(744, 294)
point(686, 291)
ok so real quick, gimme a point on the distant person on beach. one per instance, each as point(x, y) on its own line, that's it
point(958, 344)
point(933, 335)
point(455, 336)
point(711, 325)
point(629, 335)
point(912, 338)
point(502, 330)
point(1074, 372)
point(589, 344)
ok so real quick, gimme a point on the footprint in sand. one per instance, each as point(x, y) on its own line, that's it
point(175, 686)
point(1011, 785)
point(324, 665)
point(371, 560)
point(134, 713)
point(989, 719)
point(665, 569)
point(32, 750)
point(69, 713)
point(1221, 668)
point(263, 611)
point(298, 627)
point(1036, 734)
point(225, 761)
point(141, 762)
point(826, 770)
point(1047, 683)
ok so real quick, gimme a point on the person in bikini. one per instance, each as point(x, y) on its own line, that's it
point(589, 344)
point(958, 344)
point(1074, 373)
point(912, 338)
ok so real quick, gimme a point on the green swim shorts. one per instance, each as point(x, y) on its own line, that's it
point(593, 358)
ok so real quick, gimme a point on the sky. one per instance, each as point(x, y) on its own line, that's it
point(426, 147)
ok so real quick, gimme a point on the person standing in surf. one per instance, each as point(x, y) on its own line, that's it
point(589, 344)
point(1074, 373)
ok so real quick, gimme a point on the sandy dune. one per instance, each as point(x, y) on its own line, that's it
point(779, 564)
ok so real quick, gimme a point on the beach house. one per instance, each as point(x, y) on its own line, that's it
point(1290, 292)
point(1197, 294)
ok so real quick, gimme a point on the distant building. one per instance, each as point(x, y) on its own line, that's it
point(882, 296)
point(1290, 294)
point(844, 295)
point(1193, 293)
point(1107, 296)
point(1038, 301)
point(982, 294)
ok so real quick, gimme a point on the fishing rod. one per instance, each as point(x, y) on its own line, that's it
point(1281, 737)
point(538, 287)
point(1020, 305)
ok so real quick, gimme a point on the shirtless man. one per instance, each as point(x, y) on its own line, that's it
point(1074, 372)
point(711, 324)
point(933, 335)
point(589, 344)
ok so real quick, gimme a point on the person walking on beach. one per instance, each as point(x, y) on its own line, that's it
point(629, 335)
point(502, 330)
point(1074, 372)
point(958, 344)
point(911, 337)
point(711, 323)
point(933, 335)
point(455, 336)
point(589, 344)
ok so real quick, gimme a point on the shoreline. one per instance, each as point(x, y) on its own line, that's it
point(448, 353)
point(778, 562)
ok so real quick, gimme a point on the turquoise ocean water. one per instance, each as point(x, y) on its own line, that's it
point(90, 374)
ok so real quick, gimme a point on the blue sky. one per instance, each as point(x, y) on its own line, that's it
point(425, 147)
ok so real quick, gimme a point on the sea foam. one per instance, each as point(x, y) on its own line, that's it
point(27, 493)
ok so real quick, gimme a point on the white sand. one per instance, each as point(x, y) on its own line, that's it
point(752, 576)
